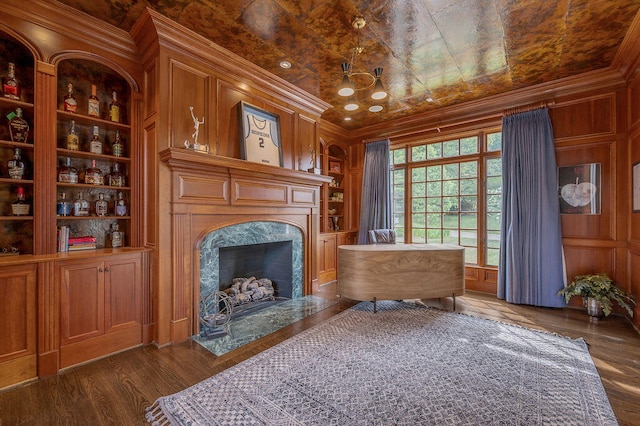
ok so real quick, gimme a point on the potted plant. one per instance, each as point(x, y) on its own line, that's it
point(598, 293)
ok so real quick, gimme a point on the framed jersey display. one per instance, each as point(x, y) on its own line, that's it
point(260, 140)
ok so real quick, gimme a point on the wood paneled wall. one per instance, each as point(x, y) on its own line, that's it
point(591, 128)
point(632, 156)
point(188, 193)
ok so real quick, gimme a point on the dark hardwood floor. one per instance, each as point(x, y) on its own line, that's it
point(117, 389)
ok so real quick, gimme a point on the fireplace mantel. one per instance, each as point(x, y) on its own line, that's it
point(183, 159)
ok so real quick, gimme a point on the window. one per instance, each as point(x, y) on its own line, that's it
point(398, 158)
point(441, 183)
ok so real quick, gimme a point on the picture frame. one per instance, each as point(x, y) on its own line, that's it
point(260, 135)
point(635, 187)
point(335, 167)
point(579, 189)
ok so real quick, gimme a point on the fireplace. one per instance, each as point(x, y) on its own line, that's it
point(219, 202)
point(263, 249)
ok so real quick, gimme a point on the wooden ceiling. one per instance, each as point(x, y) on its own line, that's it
point(450, 51)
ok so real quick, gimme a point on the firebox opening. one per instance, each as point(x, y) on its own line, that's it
point(268, 260)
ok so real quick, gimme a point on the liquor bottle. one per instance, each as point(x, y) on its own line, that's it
point(114, 108)
point(93, 175)
point(101, 206)
point(10, 86)
point(116, 178)
point(18, 126)
point(120, 205)
point(73, 142)
point(20, 207)
point(63, 206)
point(16, 165)
point(116, 237)
point(67, 173)
point(80, 206)
point(95, 145)
point(94, 103)
point(70, 101)
point(117, 148)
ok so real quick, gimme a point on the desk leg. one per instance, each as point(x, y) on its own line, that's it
point(375, 305)
point(454, 301)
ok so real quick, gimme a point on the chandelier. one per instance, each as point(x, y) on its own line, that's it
point(348, 85)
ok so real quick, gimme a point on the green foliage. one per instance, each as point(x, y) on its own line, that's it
point(601, 288)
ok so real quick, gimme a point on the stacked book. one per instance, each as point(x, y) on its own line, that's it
point(86, 242)
point(67, 243)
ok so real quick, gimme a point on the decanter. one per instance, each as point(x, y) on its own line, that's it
point(18, 126)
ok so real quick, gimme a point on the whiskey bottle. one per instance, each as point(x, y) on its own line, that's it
point(95, 145)
point(116, 237)
point(70, 101)
point(117, 149)
point(73, 142)
point(67, 173)
point(80, 206)
point(10, 86)
point(16, 165)
point(20, 207)
point(120, 205)
point(93, 175)
point(101, 206)
point(18, 126)
point(63, 206)
point(114, 108)
point(94, 103)
point(116, 178)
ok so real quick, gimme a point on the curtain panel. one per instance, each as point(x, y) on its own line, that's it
point(531, 264)
point(375, 207)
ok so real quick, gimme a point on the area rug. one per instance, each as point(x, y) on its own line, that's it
point(407, 364)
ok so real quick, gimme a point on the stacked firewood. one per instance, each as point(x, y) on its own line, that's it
point(245, 290)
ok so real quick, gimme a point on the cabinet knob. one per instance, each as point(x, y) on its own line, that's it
point(100, 270)
point(106, 269)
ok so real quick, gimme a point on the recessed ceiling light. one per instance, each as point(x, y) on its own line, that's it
point(347, 119)
point(429, 99)
point(375, 108)
point(285, 64)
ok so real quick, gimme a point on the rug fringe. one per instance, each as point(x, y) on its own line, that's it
point(156, 416)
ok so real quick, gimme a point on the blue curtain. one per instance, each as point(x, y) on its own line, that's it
point(375, 207)
point(530, 270)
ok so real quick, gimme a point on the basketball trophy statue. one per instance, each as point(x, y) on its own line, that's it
point(196, 126)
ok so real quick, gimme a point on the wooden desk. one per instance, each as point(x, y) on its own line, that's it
point(400, 271)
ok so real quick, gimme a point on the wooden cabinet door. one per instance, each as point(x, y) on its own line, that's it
point(326, 258)
point(17, 324)
point(123, 286)
point(81, 301)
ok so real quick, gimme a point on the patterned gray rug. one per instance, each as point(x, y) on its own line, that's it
point(406, 365)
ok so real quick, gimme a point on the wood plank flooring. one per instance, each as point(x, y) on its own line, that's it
point(117, 389)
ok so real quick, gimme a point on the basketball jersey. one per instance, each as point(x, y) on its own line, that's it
point(260, 146)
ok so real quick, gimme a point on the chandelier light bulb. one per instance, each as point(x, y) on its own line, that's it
point(346, 88)
point(378, 89)
point(351, 105)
